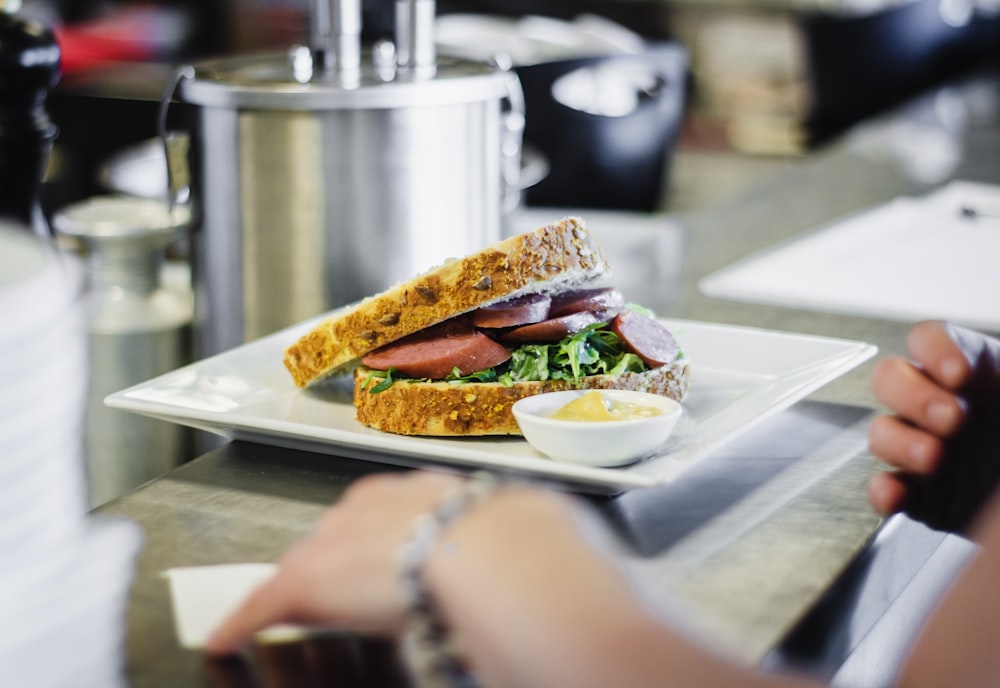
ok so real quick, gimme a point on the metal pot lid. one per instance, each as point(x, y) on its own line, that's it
point(122, 218)
point(287, 81)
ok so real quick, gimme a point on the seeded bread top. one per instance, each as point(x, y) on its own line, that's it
point(556, 257)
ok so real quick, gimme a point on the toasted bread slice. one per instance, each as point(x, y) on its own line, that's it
point(556, 257)
point(477, 408)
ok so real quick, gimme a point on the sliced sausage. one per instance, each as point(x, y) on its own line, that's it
point(647, 338)
point(523, 310)
point(604, 299)
point(554, 329)
point(435, 352)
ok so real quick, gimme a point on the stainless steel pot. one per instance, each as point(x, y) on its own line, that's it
point(322, 175)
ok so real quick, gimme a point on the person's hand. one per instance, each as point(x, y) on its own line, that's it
point(944, 439)
point(345, 573)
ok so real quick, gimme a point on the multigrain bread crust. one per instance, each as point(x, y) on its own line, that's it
point(562, 252)
point(476, 408)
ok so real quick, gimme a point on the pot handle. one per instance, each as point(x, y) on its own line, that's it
point(511, 142)
point(175, 144)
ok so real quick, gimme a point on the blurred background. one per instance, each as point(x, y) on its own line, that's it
point(767, 79)
point(293, 188)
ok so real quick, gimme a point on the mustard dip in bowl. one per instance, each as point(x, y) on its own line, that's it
point(597, 427)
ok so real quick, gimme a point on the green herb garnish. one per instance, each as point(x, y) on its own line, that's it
point(385, 377)
point(456, 377)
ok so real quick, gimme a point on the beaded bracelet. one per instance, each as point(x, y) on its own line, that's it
point(429, 652)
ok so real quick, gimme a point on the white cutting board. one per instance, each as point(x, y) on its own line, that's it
point(910, 259)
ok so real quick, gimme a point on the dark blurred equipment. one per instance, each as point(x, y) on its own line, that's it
point(99, 112)
point(861, 65)
point(607, 126)
point(603, 105)
point(651, 18)
point(29, 69)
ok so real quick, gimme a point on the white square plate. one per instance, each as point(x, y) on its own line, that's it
point(739, 377)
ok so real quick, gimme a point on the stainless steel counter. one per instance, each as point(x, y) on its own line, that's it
point(757, 547)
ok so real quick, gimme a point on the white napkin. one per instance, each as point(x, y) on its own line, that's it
point(910, 259)
point(203, 596)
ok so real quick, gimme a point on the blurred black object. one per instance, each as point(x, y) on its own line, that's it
point(862, 65)
point(29, 69)
point(649, 19)
point(99, 113)
point(599, 158)
point(319, 661)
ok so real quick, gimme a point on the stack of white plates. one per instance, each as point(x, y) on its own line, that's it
point(64, 575)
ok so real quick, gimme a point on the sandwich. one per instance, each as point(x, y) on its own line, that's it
point(449, 352)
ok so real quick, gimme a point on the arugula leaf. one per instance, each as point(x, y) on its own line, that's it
point(456, 377)
point(640, 309)
point(530, 362)
point(628, 363)
point(385, 377)
point(594, 350)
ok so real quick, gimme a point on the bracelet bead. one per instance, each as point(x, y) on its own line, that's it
point(430, 654)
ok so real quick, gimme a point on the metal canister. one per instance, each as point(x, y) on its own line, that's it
point(139, 320)
point(327, 173)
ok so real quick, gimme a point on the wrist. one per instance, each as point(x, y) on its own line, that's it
point(431, 527)
point(519, 583)
point(428, 647)
point(498, 532)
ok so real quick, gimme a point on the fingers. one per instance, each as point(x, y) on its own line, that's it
point(935, 348)
point(942, 439)
point(916, 397)
point(268, 604)
point(904, 446)
point(886, 493)
point(352, 547)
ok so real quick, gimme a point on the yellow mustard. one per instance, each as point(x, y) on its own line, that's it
point(591, 407)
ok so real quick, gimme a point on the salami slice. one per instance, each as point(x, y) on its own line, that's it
point(523, 310)
point(594, 300)
point(433, 353)
point(554, 329)
point(646, 338)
